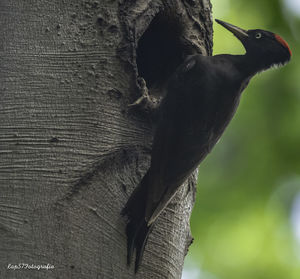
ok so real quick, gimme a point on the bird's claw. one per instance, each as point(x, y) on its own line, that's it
point(145, 102)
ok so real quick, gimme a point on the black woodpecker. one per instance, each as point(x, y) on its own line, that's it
point(202, 97)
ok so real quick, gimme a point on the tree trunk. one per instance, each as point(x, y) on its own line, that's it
point(71, 149)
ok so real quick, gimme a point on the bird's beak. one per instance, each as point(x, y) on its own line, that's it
point(237, 31)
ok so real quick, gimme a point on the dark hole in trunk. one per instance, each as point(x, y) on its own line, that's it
point(160, 50)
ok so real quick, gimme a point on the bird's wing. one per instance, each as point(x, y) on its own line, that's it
point(173, 171)
point(175, 153)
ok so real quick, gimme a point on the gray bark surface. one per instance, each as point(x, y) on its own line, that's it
point(71, 151)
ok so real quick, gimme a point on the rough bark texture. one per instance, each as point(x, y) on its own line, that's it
point(70, 150)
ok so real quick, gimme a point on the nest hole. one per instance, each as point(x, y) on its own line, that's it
point(161, 50)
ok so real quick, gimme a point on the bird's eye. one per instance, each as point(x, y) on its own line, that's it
point(258, 35)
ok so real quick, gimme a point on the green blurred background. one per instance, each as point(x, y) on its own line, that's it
point(246, 221)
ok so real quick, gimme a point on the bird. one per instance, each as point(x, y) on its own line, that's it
point(202, 97)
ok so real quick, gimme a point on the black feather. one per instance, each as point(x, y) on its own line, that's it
point(137, 229)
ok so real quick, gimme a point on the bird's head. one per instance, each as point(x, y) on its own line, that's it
point(263, 46)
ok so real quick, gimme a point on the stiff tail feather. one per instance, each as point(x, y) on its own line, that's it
point(137, 229)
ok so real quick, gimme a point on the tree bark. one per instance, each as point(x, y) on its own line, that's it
point(71, 151)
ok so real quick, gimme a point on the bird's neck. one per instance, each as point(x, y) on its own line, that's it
point(250, 65)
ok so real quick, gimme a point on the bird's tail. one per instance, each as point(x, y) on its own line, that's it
point(137, 229)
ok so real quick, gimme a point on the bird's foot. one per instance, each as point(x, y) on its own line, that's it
point(145, 102)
